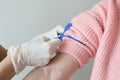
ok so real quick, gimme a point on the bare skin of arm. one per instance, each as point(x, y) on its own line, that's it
point(3, 53)
point(60, 68)
point(6, 69)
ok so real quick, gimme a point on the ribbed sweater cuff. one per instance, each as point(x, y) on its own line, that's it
point(76, 50)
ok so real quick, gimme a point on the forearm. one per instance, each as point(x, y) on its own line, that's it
point(3, 53)
point(65, 65)
point(6, 69)
point(60, 68)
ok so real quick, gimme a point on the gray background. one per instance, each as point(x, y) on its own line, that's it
point(21, 20)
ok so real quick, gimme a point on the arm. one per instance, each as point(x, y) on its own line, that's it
point(78, 54)
point(6, 69)
point(60, 68)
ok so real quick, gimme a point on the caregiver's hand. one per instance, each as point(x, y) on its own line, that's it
point(36, 52)
point(60, 68)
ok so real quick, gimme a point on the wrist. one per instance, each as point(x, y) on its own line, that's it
point(16, 58)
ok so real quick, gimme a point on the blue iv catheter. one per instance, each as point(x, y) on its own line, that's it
point(68, 36)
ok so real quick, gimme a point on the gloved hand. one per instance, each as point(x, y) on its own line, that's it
point(36, 52)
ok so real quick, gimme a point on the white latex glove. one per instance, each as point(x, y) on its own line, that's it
point(36, 52)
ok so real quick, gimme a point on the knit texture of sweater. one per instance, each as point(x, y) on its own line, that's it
point(99, 29)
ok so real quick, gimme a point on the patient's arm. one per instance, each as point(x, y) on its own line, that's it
point(60, 68)
point(3, 53)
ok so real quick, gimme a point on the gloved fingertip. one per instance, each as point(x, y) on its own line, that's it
point(54, 42)
point(60, 28)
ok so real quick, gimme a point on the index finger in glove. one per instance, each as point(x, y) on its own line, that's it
point(54, 42)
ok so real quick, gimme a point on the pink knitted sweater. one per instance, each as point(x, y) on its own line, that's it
point(99, 29)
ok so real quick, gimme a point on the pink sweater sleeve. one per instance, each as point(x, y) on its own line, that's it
point(87, 27)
